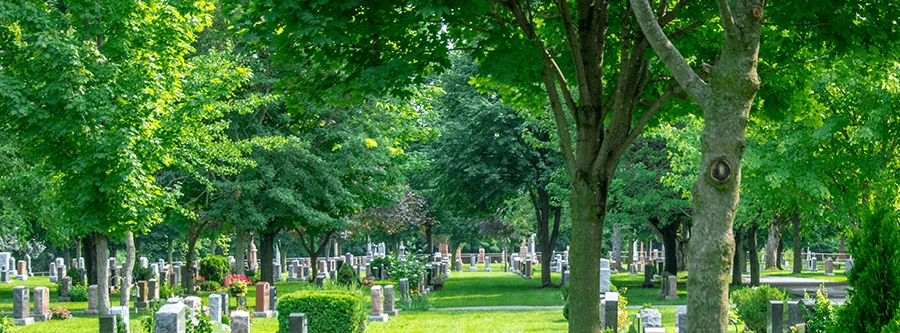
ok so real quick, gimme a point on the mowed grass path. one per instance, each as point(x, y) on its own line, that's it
point(496, 288)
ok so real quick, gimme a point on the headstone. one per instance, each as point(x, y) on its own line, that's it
point(609, 311)
point(377, 305)
point(53, 277)
point(122, 311)
point(81, 263)
point(145, 263)
point(21, 306)
point(829, 267)
point(481, 256)
point(848, 266)
point(457, 265)
point(671, 287)
point(276, 273)
point(604, 276)
point(487, 264)
point(22, 270)
point(273, 299)
point(4, 259)
point(92, 301)
point(108, 324)
point(215, 308)
point(64, 285)
point(154, 270)
point(320, 279)
point(681, 319)
point(41, 304)
point(472, 261)
point(404, 288)
point(142, 295)
point(651, 318)
point(60, 271)
point(153, 289)
point(262, 300)
point(565, 277)
point(389, 301)
point(223, 297)
point(528, 269)
point(776, 317)
point(297, 323)
point(171, 318)
point(193, 304)
point(794, 315)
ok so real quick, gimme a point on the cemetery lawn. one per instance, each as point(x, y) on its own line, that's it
point(496, 288)
point(639, 296)
point(838, 276)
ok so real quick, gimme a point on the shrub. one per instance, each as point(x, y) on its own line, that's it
point(60, 313)
point(347, 275)
point(824, 318)
point(142, 274)
point(148, 323)
point(752, 305)
point(237, 284)
point(120, 324)
point(210, 286)
point(336, 311)
point(412, 269)
point(76, 276)
point(875, 279)
point(215, 268)
point(78, 293)
point(416, 302)
point(252, 275)
point(894, 325)
point(168, 290)
point(6, 325)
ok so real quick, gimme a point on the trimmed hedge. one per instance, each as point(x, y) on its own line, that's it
point(337, 311)
point(214, 268)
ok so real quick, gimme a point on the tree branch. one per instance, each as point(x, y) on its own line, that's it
point(689, 81)
point(562, 124)
point(575, 46)
point(727, 19)
point(642, 122)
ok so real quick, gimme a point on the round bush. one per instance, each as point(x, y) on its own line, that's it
point(78, 293)
point(338, 311)
point(347, 276)
point(215, 268)
point(753, 305)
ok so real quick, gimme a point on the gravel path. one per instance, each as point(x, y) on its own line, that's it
point(799, 286)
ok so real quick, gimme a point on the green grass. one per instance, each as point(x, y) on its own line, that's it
point(638, 296)
point(473, 321)
point(838, 276)
point(496, 288)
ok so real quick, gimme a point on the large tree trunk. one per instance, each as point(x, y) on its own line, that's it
point(430, 239)
point(540, 199)
point(171, 250)
point(128, 268)
point(737, 268)
point(798, 245)
point(102, 262)
point(772, 244)
point(90, 258)
point(267, 257)
point(187, 273)
point(726, 103)
point(77, 248)
point(588, 211)
point(754, 254)
point(313, 249)
point(670, 242)
point(240, 252)
point(841, 249)
point(137, 245)
point(780, 253)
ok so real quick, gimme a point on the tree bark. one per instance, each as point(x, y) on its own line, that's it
point(726, 103)
point(267, 256)
point(90, 259)
point(798, 245)
point(589, 209)
point(841, 249)
point(137, 245)
point(212, 246)
point(240, 252)
point(430, 239)
point(737, 268)
point(772, 241)
point(128, 269)
point(780, 253)
point(540, 200)
point(754, 254)
point(171, 249)
point(77, 248)
point(102, 262)
point(313, 250)
point(670, 241)
point(187, 273)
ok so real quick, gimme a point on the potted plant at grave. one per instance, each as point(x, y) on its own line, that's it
point(237, 287)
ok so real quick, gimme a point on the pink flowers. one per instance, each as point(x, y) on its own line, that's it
point(237, 284)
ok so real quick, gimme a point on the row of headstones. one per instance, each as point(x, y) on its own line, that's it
point(9, 267)
point(650, 321)
point(523, 267)
point(174, 316)
point(798, 313)
point(640, 267)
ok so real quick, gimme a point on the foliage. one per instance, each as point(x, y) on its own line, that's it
point(237, 284)
point(752, 304)
point(148, 323)
point(78, 293)
point(168, 290)
point(76, 276)
point(875, 278)
point(204, 323)
point(824, 317)
point(337, 311)
point(346, 275)
point(210, 286)
point(120, 324)
point(252, 275)
point(413, 269)
point(142, 274)
point(215, 268)
point(60, 313)
point(388, 263)
point(6, 324)
point(416, 301)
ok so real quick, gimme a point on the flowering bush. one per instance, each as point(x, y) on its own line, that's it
point(237, 284)
point(61, 313)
